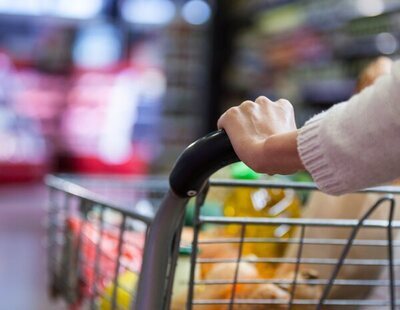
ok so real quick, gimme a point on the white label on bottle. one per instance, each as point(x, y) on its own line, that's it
point(260, 199)
point(283, 204)
point(281, 230)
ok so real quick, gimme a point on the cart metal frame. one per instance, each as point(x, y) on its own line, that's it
point(190, 177)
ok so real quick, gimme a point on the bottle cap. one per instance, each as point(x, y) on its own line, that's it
point(185, 250)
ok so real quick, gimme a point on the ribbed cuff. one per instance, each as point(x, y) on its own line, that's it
point(315, 159)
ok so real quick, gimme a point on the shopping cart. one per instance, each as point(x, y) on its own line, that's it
point(114, 244)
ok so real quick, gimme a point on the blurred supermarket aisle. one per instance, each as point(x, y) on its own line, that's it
point(22, 252)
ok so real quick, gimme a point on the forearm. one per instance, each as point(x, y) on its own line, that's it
point(355, 144)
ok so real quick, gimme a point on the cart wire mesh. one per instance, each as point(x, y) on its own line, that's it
point(97, 231)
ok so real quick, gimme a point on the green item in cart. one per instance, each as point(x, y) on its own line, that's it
point(240, 171)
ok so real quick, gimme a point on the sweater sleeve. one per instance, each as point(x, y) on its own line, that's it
point(355, 144)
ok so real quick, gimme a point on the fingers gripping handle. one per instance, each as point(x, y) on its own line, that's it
point(199, 161)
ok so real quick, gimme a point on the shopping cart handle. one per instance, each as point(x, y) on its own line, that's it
point(199, 161)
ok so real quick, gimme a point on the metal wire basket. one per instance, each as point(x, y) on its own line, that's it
point(114, 244)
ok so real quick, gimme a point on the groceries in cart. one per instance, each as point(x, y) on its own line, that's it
point(224, 274)
point(246, 271)
point(127, 282)
point(370, 242)
point(260, 203)
point(248, 202)
point(330, 257)
point(99, 256)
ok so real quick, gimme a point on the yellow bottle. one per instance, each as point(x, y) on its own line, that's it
point(251, 202)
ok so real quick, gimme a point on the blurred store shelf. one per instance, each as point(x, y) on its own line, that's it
point(307, 51)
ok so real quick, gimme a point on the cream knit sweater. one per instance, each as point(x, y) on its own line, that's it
point(355, 144)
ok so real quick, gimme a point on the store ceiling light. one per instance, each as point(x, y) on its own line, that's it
point(370, 7)
point(196, 12)
point(63, 8)
point(386, 43)
point(77, 8)
point(152, 12)
point(20, 7)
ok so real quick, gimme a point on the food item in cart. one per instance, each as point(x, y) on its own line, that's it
point(247, 271)
point(215, 251)
point(263, 291)
point(281, 291)
point(124, 295)
point(243, 292)
point(302, 291)
point(87, 236)
point(208, 248)
point(350, 206)
point(223, 271)
point(260, 203)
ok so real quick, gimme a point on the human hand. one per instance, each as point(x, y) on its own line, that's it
point(264, 135)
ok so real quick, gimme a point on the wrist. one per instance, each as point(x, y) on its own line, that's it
point(281, 155)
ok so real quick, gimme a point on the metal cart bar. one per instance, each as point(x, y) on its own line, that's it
point(79, 191)
point(294, 185)
point(298, 222)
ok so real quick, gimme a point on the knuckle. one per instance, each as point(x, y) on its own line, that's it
point(221, 120)
point(247, 104)
point(262, 99)
point(285, 103)
point(232, 111)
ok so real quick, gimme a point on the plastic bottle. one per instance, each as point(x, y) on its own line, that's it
point(262, 203)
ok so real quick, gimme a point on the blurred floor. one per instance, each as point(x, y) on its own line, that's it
point(22, 251)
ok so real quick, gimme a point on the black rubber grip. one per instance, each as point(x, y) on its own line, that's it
point(199, 161)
